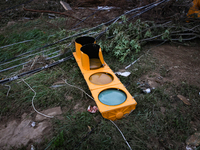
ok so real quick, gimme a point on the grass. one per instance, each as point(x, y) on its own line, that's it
point(145, 128)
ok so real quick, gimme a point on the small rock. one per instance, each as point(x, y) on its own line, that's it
point(194, 139)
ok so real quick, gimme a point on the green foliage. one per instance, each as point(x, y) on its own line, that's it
point(124, 39)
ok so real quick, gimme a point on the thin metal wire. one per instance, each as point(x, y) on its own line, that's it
point(121, 134)
point(110, 120)
point(8, 90)
point(79, 89)
point(33, 103)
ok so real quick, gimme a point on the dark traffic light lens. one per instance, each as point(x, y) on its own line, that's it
point(112, 97)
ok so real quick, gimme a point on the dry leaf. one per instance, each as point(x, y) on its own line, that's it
point(89, 128)
point(183, 99)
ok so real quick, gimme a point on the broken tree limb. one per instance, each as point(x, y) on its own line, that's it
point(53, 12)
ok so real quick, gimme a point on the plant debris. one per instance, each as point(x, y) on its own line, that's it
point(185, 101)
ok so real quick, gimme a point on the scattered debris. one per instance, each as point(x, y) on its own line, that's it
point(148, 90)
point(50, 112)
point(184, 99)
point(194, 140)
point(105, 7)
point(65, 5)
point(125, 74)
point(32, 147)
point(52, 16)
point(92, 109)
point(33, 124)
point(190, 147)
point(147, 83)
point(56, 86)
point(145, 87)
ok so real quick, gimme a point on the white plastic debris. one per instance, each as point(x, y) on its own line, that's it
point(190, 147)
point(33, 124)
point(148, 90)
point(104, 8)
point(32, 147)
point(125, 74)
point(56, 86)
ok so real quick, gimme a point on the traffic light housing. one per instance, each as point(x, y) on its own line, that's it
point(112, 98)
point(194, 10)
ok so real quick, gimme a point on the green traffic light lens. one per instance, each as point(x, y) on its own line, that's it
point(112, 97)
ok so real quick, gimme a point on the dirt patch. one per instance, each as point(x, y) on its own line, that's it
point(28, 130)
point(179, 64)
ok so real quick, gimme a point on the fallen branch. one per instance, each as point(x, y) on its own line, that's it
point(53, 12)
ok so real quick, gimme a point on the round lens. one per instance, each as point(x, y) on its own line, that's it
point(101, 78)
point(112, 97)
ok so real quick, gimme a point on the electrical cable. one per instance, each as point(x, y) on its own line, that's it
point(15, 43)
point(35, 70)
point(33, 103)
point(15, 66)
point(31, 60)
point(57, 55)
point(148, 8)
point(59, 41)
point(75, 35)
point(79, 89)
point(135, 9)
point(28, 56)
point(110, 120)
point(121, 134)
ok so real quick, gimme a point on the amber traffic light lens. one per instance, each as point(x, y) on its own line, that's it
point(101, 78)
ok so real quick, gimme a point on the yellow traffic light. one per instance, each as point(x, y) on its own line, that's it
point(110, 95)
point(195, 9)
